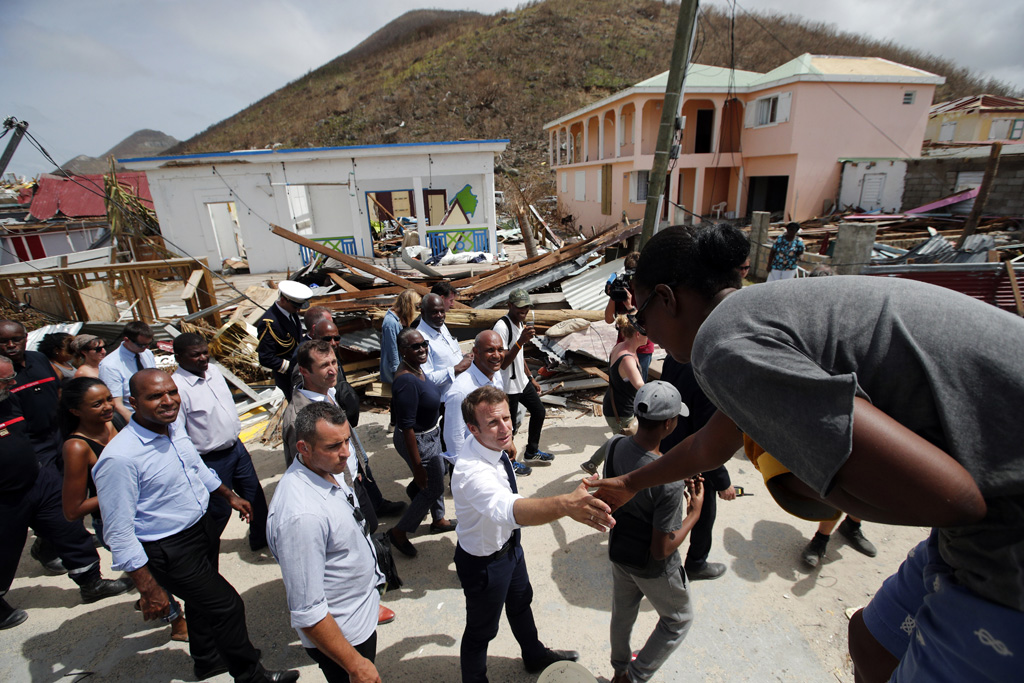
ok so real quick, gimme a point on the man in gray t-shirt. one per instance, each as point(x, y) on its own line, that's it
point(644, 543)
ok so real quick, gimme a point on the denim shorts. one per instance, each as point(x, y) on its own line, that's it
point(941, 631)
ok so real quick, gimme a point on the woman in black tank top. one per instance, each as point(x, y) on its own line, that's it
point(86, 421)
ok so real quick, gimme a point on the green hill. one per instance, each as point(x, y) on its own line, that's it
point(436, 75)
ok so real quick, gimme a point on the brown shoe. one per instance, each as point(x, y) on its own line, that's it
point(179, 630)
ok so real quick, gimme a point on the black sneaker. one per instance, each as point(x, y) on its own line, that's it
point(850, 530)
point(538, 455)
point(589, 467)
point(815, 550)
point(104, 588)
point(520, 469)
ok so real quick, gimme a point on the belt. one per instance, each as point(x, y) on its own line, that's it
point(213, 455)
point(429, 431)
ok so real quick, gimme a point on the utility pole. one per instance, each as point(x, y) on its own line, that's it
point(979, 202)
point(681, 48)
point(19, 132)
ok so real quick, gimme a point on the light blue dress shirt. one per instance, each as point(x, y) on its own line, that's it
point(389, 358)
point(327, 561)
point(150, 486)
point(118, 367)
point(442, 356)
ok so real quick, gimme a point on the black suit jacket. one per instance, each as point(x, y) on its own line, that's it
point(279, 335)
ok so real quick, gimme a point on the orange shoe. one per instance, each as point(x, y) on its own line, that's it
point(385, 615)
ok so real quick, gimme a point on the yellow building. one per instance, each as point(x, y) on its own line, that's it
point(975, 119)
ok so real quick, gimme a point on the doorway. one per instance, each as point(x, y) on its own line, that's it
point(226, 230)
point(768, 193)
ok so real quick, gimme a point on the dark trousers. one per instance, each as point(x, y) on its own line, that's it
point(490, 584)
point(332, 670)
point(185, 565)
point(234, 467)
point(700, 534)
point(283, 381)
point(531, 401)
point(40, 508)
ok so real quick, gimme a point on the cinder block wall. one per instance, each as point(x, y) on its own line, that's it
point(929, 180)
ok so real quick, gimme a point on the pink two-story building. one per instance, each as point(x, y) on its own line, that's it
point(750, 141)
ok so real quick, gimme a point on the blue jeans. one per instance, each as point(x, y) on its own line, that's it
point(431, 498)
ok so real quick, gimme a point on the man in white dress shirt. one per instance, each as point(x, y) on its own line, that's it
point(484, 370)
point(211, 421)
point(489, 559)
point(117, 368)
point(319, 537)
point(444, 358)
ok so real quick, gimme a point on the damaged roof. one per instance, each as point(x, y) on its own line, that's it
point(81, 197)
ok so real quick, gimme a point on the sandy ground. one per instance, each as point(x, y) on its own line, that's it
point(767, 619)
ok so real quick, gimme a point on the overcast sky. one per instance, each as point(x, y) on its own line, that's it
point(85, 75)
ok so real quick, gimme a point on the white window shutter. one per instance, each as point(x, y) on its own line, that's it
point(750, 116)
point(785, 102)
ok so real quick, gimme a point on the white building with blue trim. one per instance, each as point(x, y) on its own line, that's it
point(220, 205)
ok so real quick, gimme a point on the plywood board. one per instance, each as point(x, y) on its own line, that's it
point(98, 302)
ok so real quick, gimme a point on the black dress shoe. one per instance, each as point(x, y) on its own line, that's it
point(287, 676)
point(549, 658)
point(405, 547)
point(105, 588)
point(16, 616)
point(390, 508)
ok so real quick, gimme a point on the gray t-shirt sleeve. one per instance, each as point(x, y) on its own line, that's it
point(668, 507)
point(783, 400)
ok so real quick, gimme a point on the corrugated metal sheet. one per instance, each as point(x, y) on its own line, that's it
point(978, 101)
point(984, 281)
point(585, 292)
point(83, 197)
point(364, 341)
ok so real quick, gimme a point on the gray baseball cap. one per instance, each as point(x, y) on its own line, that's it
point(659, 400)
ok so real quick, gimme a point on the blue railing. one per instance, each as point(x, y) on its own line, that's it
point(471, 239)
point(346, 245)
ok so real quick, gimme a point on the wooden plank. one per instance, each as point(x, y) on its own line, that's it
point(1016, 289)
point(361, 365)
point(98, 302)
point(350, 261)
point(594, 372)
point(189, 290)
point(367, 293)
point(342, 282)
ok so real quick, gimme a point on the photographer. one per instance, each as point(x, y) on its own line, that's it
point(620, 302)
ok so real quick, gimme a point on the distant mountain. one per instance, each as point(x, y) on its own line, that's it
point(141, 143)
point(437, 75)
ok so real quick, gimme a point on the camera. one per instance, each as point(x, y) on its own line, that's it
point(618, 289)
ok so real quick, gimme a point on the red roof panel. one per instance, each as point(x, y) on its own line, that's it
point(82, 197)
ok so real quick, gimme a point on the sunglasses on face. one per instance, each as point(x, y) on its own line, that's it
point(331, 338)
point(97, 348)
point(636, 318)
point(417, 347)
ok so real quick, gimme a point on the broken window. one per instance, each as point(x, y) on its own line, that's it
point(1000, 129)
point(642, 179)
point(1017, 131)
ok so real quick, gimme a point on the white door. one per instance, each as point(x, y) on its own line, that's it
point(225, 230)
point(871, 189)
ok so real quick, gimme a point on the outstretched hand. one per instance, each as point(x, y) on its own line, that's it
point(587, 509)
point(612, 491)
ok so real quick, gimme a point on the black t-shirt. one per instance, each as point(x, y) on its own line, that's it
point(416, 403)
point(38, 392)
point(18, 465)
